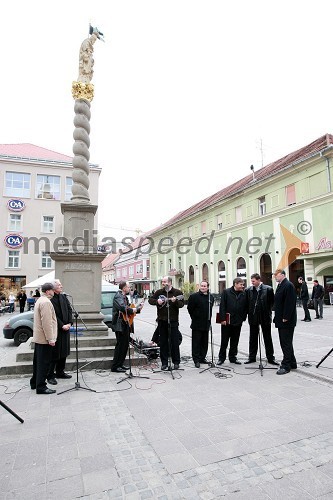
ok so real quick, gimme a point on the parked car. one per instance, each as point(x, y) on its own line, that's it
point(20, 327)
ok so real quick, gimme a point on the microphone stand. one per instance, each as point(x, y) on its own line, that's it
point(261, 367)
point(11, 411)
point(77, 385)
point(212, 364)
point(130, 374)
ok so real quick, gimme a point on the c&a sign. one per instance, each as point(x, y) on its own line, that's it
point(16, 205)
point(13, 241)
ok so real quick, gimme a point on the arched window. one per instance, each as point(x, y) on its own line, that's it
point(204, 272)
point(222, 275)
point(191, 274)
point(266, 269)
point(241, 269)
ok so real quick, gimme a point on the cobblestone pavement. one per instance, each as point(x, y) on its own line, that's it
point(200, 436)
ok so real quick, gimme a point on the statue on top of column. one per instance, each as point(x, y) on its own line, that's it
point(86, 60)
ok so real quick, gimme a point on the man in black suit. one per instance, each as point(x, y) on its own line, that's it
point(304, 296)
point(285, 320)
point(233, 311)
point(62, 347)
point(260, 299)
point(200, 306)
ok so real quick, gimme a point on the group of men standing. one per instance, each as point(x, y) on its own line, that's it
point(256, 303)
point(52, 321)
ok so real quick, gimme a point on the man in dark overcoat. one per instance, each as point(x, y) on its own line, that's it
point(62, 348)
point(285, 320)
point(200, 306)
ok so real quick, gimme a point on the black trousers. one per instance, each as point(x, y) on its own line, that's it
point(232, 333)
point(286, 336)
point(41, 364)
point(306, 310)
point(199, 345)
point(164, 342)
point(56, 368)
point(121, 347)
point(253, 341)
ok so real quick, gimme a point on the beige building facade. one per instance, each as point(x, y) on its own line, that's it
point(34, 181)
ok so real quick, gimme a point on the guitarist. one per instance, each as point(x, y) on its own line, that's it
point(122, 315)
point(167, 299)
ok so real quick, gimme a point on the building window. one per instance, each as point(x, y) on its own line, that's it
point(15, 222)
point(48, 187)
point(118, 273)
point(46, 261)
point(68, 189)
point(190, 231)
point(219, 223)
point(169, 264)
point(139, 268)
point(238, 212)
point(262, 205)
point(290, 195)
point(203, 227)
point(47, 224)
point(124, 271)
point(17, 184)
point(13, 259)
point(131, 270)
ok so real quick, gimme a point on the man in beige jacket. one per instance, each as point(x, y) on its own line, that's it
point(45, 336)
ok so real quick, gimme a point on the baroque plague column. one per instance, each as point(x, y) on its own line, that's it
point(77, 262)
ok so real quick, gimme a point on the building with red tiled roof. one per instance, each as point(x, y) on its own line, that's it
point(277, 216)
point(34, 181)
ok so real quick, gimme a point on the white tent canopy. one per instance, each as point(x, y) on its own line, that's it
point(40, 281)
point(50, 277)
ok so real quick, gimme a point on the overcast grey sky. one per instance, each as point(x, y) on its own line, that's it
point(185, 91)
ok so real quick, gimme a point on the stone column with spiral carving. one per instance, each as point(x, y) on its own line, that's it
point(80, 187)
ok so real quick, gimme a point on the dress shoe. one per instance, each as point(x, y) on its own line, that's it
point(293, 367)
point(52, 381)
point(197, 365)
point(220, 362)
point(249, 361)
point(125, 367)
point(303, 319)
point(320, 317)
point(282, 371)
point(176, 366)
point(235, 362)
point(64, 375)
point(33, 387)
point(317, 317)
point(118, 370)
point(46, 391)
point(273, 362)
point(164, 367)
point(204, 362)
point(307, 320)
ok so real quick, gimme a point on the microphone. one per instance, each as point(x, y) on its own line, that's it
point(166, 288)
point(67, 294)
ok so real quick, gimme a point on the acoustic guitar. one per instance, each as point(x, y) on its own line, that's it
point(166, 300)
point(129, 318)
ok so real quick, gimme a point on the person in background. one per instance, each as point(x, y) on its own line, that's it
point(233, 305)
point(11, 302)
point(304, 296)
point(22, 298)
point(30, 301)
point(318, 299)
point(285, 320)
point(200, 306)
point(44, 337)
